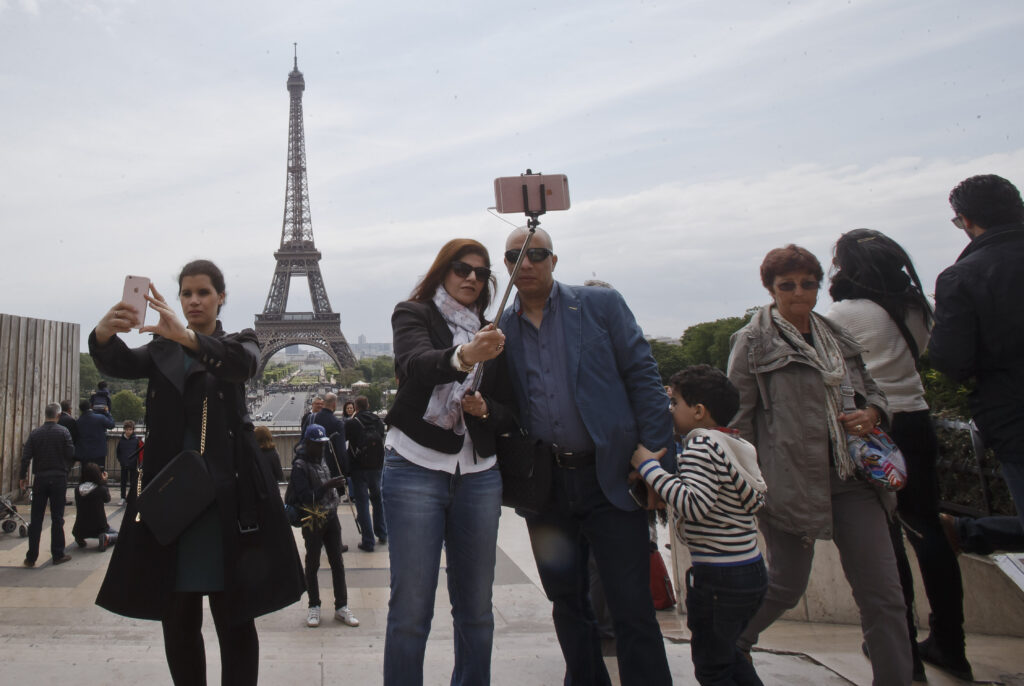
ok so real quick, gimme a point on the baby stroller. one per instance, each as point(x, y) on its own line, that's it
point(9, 518)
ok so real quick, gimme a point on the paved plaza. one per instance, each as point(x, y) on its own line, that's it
point(51, 632)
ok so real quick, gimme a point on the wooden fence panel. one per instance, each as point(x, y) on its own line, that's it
point(38, 365)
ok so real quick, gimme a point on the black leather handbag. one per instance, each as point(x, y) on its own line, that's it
point(525, 466)
point(178, 494)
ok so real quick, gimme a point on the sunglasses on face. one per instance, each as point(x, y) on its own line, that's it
point(533, 254)
point(463, 270)
point(958, 222)
point(808, 285)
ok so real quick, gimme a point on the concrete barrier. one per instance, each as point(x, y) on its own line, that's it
point(993, 603)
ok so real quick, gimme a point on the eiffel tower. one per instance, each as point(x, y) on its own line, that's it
point(298, 256)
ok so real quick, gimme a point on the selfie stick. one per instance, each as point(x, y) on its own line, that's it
point(532, 223)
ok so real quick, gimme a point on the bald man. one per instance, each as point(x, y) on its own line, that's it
point(588, 387)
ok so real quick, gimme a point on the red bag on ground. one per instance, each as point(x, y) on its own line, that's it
point(661, 585)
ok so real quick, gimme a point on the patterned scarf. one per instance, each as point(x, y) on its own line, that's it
point(827, 358)
point(445, 406)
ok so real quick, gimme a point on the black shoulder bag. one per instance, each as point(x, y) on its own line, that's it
point(178, 494)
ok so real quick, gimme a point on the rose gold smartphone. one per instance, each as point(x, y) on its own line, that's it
point(135, 289)
point(508, 192)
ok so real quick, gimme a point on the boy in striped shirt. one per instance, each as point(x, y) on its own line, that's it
point(716, 491)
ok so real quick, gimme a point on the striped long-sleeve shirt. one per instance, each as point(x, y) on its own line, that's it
point(713, 501)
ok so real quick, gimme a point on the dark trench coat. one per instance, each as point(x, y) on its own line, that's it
point(263, 572)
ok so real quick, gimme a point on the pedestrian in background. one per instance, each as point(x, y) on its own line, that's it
point(128, 448)
point(49, 452)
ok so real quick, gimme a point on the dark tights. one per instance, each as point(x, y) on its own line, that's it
point(186, 653)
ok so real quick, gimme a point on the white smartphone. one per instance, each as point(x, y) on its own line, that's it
point(135, 290)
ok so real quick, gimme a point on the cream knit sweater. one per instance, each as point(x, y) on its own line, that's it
point(886, 354)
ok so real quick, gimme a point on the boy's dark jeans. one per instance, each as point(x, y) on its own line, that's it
point(720, 600)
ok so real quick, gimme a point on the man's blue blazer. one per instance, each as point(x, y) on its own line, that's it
point(613, 377)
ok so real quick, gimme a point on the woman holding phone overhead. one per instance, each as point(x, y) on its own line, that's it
point(195, 397)
point(441, 486)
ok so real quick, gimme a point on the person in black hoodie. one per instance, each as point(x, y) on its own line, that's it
point(366, 433)
point(316, 495)
point(90, 496)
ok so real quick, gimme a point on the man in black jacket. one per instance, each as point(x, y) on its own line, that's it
point(67, 421)
point(50, 451)
point(979, 334)
point(92, 434)
point(366, 433)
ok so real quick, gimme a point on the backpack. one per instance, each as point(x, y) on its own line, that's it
point(369, 454)
point(291, 501)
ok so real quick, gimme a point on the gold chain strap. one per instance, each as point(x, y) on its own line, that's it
point(202, 450)
point(202, 432)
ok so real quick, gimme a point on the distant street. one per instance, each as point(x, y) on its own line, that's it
point(286, 408)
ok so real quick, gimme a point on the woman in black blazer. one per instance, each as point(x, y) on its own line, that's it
point(441, 486)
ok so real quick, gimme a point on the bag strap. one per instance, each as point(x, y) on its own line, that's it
point(202, 431)
point(847, 392)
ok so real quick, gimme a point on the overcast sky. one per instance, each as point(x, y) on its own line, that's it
point(696, 135)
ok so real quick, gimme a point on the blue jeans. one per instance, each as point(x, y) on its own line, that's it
point(50, 489)
point(578, 519)
point(986, 535)
point(720, 600)
point(366, 492)
point(426, 510)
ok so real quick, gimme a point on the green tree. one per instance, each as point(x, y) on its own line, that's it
point(669, 357)
point(88, 375)
point(126, 405)
point(383, 368)
point(708, 343)
point(347, 377)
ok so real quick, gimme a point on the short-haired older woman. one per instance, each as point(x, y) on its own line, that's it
point(788, 364)
point(441, 487)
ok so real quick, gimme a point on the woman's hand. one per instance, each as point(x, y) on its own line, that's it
point(474, 404)
point(118, 319)
point(487, 344)
point(642, 454)
point(860, 422)
point(169, 326)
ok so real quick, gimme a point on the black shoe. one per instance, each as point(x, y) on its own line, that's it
point(383, 540)
point(344, 548)
point(364, 547)
point(933, 655)
point(80, 542)
point(62, 559)
point(29, 563)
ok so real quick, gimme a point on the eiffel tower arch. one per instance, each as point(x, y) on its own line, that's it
point(297, 256)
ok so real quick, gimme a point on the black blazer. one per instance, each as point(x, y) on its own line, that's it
point(423, 347)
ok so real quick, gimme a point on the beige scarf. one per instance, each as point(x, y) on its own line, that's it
point(828, 359)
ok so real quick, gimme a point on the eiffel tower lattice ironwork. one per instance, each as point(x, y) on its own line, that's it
point(298, 256)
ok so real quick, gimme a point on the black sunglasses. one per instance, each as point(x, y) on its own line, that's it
point(533, 254)
point(462, 270)
point(808, 285)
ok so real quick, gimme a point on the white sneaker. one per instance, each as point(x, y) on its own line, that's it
point(344, 615)
point(121, 502)
point(313, 618)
